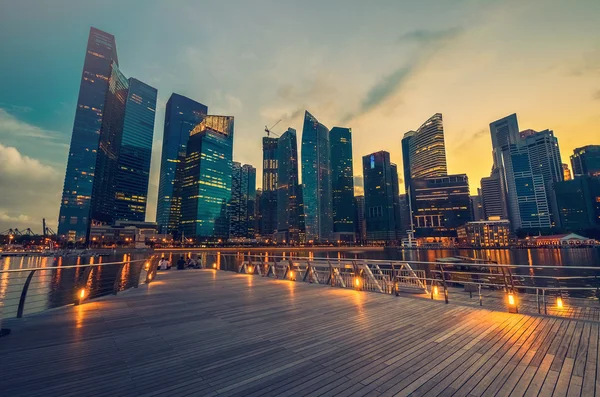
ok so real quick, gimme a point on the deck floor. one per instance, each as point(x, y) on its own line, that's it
point(203, 332)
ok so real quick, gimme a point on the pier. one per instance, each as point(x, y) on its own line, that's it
point(212, 332)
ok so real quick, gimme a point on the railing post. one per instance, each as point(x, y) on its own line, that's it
point(480, 296)
point(24, 294)
point(118, 279)
point(82, 286)
point(444, 283)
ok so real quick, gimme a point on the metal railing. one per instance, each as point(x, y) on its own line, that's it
point(554, 290)
point(32, 290)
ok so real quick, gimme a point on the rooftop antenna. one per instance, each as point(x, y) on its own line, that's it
point(269, 131)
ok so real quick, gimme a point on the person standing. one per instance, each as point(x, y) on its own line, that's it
point(181, 263)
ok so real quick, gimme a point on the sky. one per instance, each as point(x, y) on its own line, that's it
point(380, 67)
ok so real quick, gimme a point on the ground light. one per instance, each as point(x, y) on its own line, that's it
point(214, 265)
point(81, 294)
point(559, 302)
point(512, 303)
point(436, 290)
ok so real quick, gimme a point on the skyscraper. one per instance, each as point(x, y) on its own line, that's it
point(342, 183)
point(76, 200)
point(288, 205)
point(428, 150)
point(381, 198)
point(133, 171)
point(408, 148)
point(493, 197)
point(206, 189)
point(578, 204)
point(182, 116)
point(360, 222)
point(441, 205)
point(477, 211)
point(316, 180)
point(566, 172)
point(243, 197)
point(586, 161)
point(268, 204)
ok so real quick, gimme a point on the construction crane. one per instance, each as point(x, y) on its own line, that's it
point(269, 131)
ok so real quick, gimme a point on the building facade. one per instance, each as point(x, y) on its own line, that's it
point(133, 171)
point(268, 206)
point(342, 183)
point(428, 149)
point(586, 161)
point(578, 203)
point(316, 180)
point(566, 172)
point(360, 221)
point(182, 116)
point(382, 206)
point(289, 230)
point(74, 215)
point(242, 202)
point(206, 188)
point(477, 210)
point(441, 205)
point(485, 234)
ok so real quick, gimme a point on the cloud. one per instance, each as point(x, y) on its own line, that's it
point(30, 191)
point(13, 128)
point(428, 43)
point(596, 95)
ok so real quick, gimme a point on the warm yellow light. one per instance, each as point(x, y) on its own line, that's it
point(559, 302)
point(436, 290)
point(511, 299)
point(214, 265)
point(250, 269)
point(147, 266)
point(82, 293)
point(291, 274)
point(150, 276)
point(357, 282)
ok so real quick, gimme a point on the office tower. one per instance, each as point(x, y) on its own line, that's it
point(133, 171)
point(504, 132)
point(316, 180)
point(586, 161)
point(427, 149)
point(269, 195)
point(258, 213)
point(381, 198)
point(477, 211)
point(360, 222)
point(342, 183)
point(405, 225)
point(181, 117)
point(440, 205)
point(107, 157)
point(566, 172)
point(407, 154)
point(493, 197)
point(527, 198)
point(241, 205)
point(206, 187)
point(75, 207)
point(579, 204)
point(288, 207)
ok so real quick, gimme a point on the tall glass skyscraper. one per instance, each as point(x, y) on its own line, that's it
point(181, 117)
point(206, 188)
point(76, 200)
point(268, 206)
point(288, 205)
point(243, 197)
point(586, 161)
point(428, 150)
point(133, 171)
point(382, 199)
point(316, 180)
point(342, 183)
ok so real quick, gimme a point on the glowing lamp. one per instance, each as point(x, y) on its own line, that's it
point(250, 269)
point(150, 276)
point(292, 275)
point(511, 299)
point(147, 266)
point(82, 293)
point(559, 302)
point(357, 282)
point(214, 265)
point(436, 290)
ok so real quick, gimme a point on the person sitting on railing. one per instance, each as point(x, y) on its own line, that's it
point(181, 263)
point(163, 264)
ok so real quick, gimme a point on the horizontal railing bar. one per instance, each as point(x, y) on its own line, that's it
point(71, 266)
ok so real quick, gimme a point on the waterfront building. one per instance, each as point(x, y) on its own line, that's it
point(485, 234)
point(268, 204)
point(133, 171)
point(360, 222)
point(258, 213)
point(407, 155)
point(405, 215)
point(382, 207)
point(493, 197)
point(289, 229)
point(316, 180)
point(242, 202)
point(566, 172)
point(477, 210)
point(206, 187)
point(342, 184)
point(586, 161)
point(440, 205)
point(182, 116)
point(578, 203)
point(74, 215)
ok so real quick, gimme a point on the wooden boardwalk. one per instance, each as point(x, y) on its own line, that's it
point(203, 332)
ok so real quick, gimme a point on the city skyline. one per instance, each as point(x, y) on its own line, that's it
point(389, 102)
